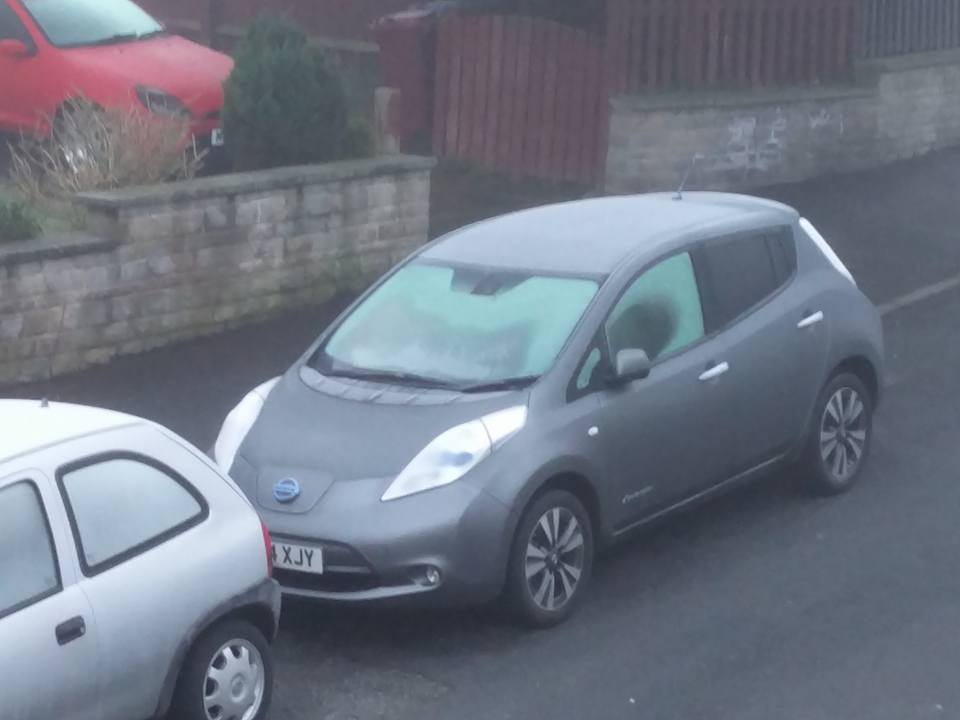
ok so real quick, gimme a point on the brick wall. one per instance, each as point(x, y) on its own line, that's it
point(179, 261)
point(900, 108)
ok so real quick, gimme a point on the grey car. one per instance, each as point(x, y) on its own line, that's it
point(525, 391)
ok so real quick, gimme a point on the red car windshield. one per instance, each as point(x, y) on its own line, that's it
point(74, 23)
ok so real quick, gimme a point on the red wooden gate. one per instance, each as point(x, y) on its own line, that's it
point(520, 95)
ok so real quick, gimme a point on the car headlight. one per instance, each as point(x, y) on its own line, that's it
point(238, 424)
point(456, 452)
point(161, 103)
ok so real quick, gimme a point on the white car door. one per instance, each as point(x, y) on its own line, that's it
point(48, 650)
point(151, 555)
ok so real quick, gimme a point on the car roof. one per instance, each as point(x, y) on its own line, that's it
point(595, 236)
point(29, 425)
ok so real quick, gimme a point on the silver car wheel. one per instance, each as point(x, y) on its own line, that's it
point(843, 434)
point(555, 559)
point(235, 682)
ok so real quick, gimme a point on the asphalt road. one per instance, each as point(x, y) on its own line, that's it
point(765, 605)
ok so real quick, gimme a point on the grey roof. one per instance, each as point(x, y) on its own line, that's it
point(595, 236)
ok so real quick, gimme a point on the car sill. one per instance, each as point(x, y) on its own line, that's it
point(701, 496)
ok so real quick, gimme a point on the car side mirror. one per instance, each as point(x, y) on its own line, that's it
point(630, 365)
point(14, 49)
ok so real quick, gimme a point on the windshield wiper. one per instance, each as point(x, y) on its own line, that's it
point(514, 383)
point(152, 33)
point(127, 37)
point(114, 39)
point(390, 376)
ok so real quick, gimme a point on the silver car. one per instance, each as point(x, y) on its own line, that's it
point(527, 390)
point(134, 577)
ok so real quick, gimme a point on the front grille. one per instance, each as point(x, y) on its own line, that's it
point(331, 581)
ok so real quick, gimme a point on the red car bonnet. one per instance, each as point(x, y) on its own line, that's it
point(191, 72)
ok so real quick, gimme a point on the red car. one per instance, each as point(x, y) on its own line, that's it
point(110, 52)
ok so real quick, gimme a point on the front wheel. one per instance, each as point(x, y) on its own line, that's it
point(840, 440)
point(228, 675)
point(551, 560)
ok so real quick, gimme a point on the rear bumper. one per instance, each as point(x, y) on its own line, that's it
point(273, 598)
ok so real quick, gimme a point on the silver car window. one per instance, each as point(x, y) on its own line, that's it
point(121, 505)
point(660, 313)
point(28, 563)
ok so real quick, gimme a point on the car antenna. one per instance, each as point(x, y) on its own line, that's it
point(686, 176)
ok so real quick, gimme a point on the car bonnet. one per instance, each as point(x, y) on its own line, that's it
point(318, 431)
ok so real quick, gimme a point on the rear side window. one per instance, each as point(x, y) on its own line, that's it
point(743, 270)
point(783, 252)
point(28, 562)
point(122, 506)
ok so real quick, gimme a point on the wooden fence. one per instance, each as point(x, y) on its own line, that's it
point(706, 44)
point(900, 27)
point(521, 96)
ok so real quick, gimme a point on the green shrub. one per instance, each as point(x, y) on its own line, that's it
point(17, 223)
point(357, 139)
point(285, 104)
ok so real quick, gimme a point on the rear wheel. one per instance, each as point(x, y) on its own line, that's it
point(228, 675)
point(551, 560)
point(839, 443)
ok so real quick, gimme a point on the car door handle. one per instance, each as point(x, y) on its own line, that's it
point(72, 629)
point(715, 371)
point(811, 320)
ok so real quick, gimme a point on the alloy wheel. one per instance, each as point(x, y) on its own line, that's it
point(235, 682)
point(843, 434)
point(555, 559)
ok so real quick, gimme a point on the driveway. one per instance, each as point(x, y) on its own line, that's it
point(766, 604)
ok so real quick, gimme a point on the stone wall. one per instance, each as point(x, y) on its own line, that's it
point(898, 108)
point(177, 261)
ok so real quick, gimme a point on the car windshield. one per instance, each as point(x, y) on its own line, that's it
point(435, 324)
point(72, 23)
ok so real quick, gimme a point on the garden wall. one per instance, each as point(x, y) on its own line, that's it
point(177, 261)
point(898, 108)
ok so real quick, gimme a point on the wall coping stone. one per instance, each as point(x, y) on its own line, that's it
point(905, 63)
point(251, 182)
point(740, 98)
point(49, 247)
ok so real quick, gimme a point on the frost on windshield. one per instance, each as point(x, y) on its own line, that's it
point(462, 326)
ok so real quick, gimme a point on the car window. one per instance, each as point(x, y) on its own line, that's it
point(586, 377)
point(459, 325)
point(783, 252)
point(69, 23)
point(28, 562)
point(122, 506)
point(10, 26)
point(660, 313)
point(742, 273)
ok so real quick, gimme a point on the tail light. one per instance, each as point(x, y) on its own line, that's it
point(268, 546)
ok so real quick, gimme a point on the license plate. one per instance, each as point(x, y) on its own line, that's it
point(298, 557)
point(216, 137)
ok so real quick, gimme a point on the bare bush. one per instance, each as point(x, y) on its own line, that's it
point(90, 149)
